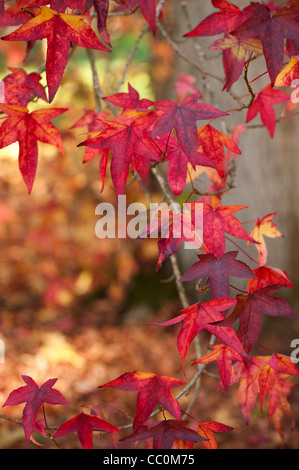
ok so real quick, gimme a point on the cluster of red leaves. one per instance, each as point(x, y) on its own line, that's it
point(143, 135)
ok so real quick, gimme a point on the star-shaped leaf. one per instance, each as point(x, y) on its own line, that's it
point(216, 221)
point(152, 389)
point(203, 316)
point(84, 425)
point(182, 117)
point(61, 30)
point(212, 143)
point(229, 18)
point(224, 355)
point(28, 128)
point(130, 100)
point(34, 396)
point(249, 310)
point(264, 227)
point(164, 433)
point(272, 30)
point(263, 104)
point(127, 138)
point(218, 270)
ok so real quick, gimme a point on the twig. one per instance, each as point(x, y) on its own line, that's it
point(135, 47)
point(96, 82)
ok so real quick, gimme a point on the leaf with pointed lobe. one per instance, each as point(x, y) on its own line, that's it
point(212, 143)
point(234, 55)
point(61, 30)
point(288, 74)
point(27, 129)
point(218, 270)
point(272, 30)
point(218, 220)
point(203, 316)
point(126, 136)
point(263, 104)
point(182, 117)
point(20, 87)
point(207, 429)
point(152, 389)
point(224, 355)
point(249, 310)
point(178, 162)
point(267, 276)
point(34, 397)
point(248, 390)
point(224, 21)
point(264, 227)
point(84, 425)
point(164, 433)
point(130, 100)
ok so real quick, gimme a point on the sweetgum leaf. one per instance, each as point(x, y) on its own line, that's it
point(34, 396)
point(61, 30)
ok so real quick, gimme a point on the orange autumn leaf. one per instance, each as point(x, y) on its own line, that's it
point(264, 227)
point(61, 30)
point(27, 128)
point(152, 389)
point(289, 73)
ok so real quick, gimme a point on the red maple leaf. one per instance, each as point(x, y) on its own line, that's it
point(203, 316)
point(178, 162)
point(34, 396)
point(263, 104)
point(264, 227)
point(182, 117)
point(130, 100)
point(164, 433)
point(270, 367)
point(127, 138)
point(218, 270)
point(152, 389)
point(20, 87)
point(229, 18)
point(218, 220)
point(272, 30)
point(224, 355)
point(212, 143)
point(61, 30)
point(289, 73)
point(27, 128)
point(207, 429)
point(84, 425)
point(234, 55)
point(249, 310)
point(268, 276)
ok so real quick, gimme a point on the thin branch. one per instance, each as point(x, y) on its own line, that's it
point(98, 94)
point(136, 45)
